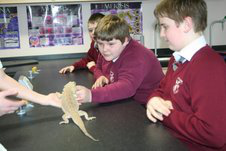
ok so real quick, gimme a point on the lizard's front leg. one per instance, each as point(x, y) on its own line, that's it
point(83, 113)
point(65, 118)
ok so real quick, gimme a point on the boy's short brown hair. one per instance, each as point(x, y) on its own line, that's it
point(112, 27)
point(177, 10)
point(95, 18)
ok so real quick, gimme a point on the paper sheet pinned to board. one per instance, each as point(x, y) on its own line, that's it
point(2, 148)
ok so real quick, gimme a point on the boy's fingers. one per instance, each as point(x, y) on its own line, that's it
point(163, 110)
point(106, 81)
point(160, 107)
point(169, 104)
point(93, 87)
point(157, 115)
point(149, 115)
point(96, 84)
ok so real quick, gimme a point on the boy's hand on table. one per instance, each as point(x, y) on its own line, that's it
point(67, 69)
point(157, 107)
point(100, 82)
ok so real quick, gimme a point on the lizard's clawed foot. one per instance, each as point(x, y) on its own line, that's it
point(90, 118)
point(83, 113)
point(63, 122)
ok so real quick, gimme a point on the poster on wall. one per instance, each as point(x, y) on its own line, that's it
point(9, 29)
point(130, 11)
point(54, 25)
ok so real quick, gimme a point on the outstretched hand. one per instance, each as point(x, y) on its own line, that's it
point(7, 105)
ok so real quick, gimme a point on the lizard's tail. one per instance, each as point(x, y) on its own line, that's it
point(81, 125)
point(91, 137)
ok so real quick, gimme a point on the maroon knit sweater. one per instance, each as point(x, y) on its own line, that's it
point(197, 90)
point(92, 55)
point(136, 73)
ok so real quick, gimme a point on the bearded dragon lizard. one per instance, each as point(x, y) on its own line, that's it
point(70, 107)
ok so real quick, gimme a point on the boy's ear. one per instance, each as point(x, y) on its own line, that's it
point(188, 24)
point(126, 41)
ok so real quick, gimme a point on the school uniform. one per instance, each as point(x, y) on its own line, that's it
point(197, 89)
point(92, 55)
point(135, 73)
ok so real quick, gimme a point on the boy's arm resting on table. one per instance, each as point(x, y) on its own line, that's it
point(92, 69)
point(82, 63)
point(125, 87)
point(27, 94)
point(91, 66)
point(157, 106)
point(112, 92)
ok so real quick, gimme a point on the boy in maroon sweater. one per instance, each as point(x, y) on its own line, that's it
point(125, 68)
point(90, 60)
point(191, 99)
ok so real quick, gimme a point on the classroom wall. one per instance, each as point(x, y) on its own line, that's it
point(218, 36)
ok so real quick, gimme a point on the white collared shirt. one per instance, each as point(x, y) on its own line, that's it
point(115, 59)
point(189, 51)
